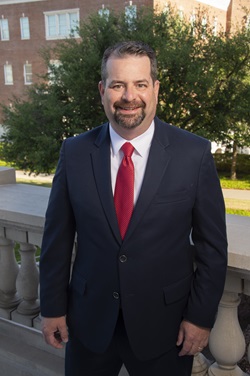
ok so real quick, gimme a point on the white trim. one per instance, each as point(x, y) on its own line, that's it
point(8, 2)
point(61, 11)
point(220, 4)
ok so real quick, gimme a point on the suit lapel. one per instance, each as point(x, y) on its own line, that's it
point(158, 160)
point(101, 167)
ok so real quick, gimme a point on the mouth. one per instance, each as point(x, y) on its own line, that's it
point(128, 109)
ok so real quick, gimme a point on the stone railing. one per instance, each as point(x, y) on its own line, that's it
point(22, 211)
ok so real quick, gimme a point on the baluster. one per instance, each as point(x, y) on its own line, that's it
point(27, 281)
point(227, 342)
point(200, 365)
point(8, 274)
point(248, 353)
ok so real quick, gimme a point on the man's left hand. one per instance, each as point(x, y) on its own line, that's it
point(193, 338)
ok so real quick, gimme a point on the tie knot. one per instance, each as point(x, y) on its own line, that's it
point(127, 149)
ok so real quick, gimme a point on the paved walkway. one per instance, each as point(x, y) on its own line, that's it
point(42, 177)
point(238, 194)
point(228, 193)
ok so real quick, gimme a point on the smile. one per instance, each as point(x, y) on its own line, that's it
point(128, 108)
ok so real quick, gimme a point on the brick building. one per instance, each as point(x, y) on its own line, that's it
point(26, 26)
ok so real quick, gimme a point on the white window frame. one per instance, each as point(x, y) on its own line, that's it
point(4, 29)
point(8, 74)
point(69, 26)
point(27, 74)
point(25, 28)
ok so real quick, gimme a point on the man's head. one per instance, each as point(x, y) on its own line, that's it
point(129, 87)
point(120, 50)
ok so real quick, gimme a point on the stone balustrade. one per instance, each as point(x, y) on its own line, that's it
point(22, 212)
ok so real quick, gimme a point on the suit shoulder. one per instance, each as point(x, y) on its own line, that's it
point(178, 135)
point(87, 138)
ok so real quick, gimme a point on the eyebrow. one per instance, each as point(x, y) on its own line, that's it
point(144, 80)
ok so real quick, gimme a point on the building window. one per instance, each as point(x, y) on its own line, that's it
point(104, 12)
point(4, 29)
point(53, 66)
point(61, 24)
point(25, 28)
point(181, 13)
point(130, 14)
point(215, 26)
point(204, 27)
point(8, 74)
point(27, 74)
point(166, 8)
point(192, 22)
point(248, 23)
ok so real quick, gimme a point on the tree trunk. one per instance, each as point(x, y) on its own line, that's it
point(234, 161)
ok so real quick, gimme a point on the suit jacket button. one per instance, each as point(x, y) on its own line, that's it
point(123, 258)
point(116, 295)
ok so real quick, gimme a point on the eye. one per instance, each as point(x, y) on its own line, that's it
point(141, 85)
point(117, 86)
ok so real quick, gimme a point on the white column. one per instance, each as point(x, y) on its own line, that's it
point(8, 274)
point(227, 342)
point(27, 281)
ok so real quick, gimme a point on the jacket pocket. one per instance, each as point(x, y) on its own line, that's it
point(171, 197)
point(178, 290)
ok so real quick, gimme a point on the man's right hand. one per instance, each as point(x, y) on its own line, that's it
point(55, 331)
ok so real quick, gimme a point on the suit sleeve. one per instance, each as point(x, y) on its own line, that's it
point(57, 246)
point(210, 241)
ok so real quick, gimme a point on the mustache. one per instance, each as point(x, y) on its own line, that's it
point(129, 105)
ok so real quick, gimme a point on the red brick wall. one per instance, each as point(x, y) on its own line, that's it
point(16, 51)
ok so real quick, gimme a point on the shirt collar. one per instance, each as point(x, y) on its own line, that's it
point(140, 143)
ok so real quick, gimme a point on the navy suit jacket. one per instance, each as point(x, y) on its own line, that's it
point(150, 275)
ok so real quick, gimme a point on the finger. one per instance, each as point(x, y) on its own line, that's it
point(53, 340)
point(180, 338)
point(63, 333)
point(186, 349)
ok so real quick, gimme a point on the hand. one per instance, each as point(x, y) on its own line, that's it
point(192, 337)
point(55, 331)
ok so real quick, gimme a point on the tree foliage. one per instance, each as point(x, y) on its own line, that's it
point(205, 85)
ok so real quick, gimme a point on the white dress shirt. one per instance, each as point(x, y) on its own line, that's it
point(142, 145)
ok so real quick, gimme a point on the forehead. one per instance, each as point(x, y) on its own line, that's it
point(128, 67)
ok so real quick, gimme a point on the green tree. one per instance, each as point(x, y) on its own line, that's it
point(204, 84)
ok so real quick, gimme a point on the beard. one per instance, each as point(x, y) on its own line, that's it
point(129, 121)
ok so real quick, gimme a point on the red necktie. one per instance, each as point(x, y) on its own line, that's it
point(124, 189)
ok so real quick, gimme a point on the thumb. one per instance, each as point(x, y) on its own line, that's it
point(63, 331)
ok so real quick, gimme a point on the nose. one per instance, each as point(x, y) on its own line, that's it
point(129, 94)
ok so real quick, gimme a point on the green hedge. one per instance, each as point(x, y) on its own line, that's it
point(223, 163)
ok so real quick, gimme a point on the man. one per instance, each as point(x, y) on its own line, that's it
point(133, 296)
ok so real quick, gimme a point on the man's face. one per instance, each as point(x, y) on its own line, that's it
point(129, 96)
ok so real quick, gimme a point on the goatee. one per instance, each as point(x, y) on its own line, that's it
point(129, 121)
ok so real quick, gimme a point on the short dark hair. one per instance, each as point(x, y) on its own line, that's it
point(135, 48)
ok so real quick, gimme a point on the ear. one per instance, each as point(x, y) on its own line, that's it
point(156, 89)
point(101, 88)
